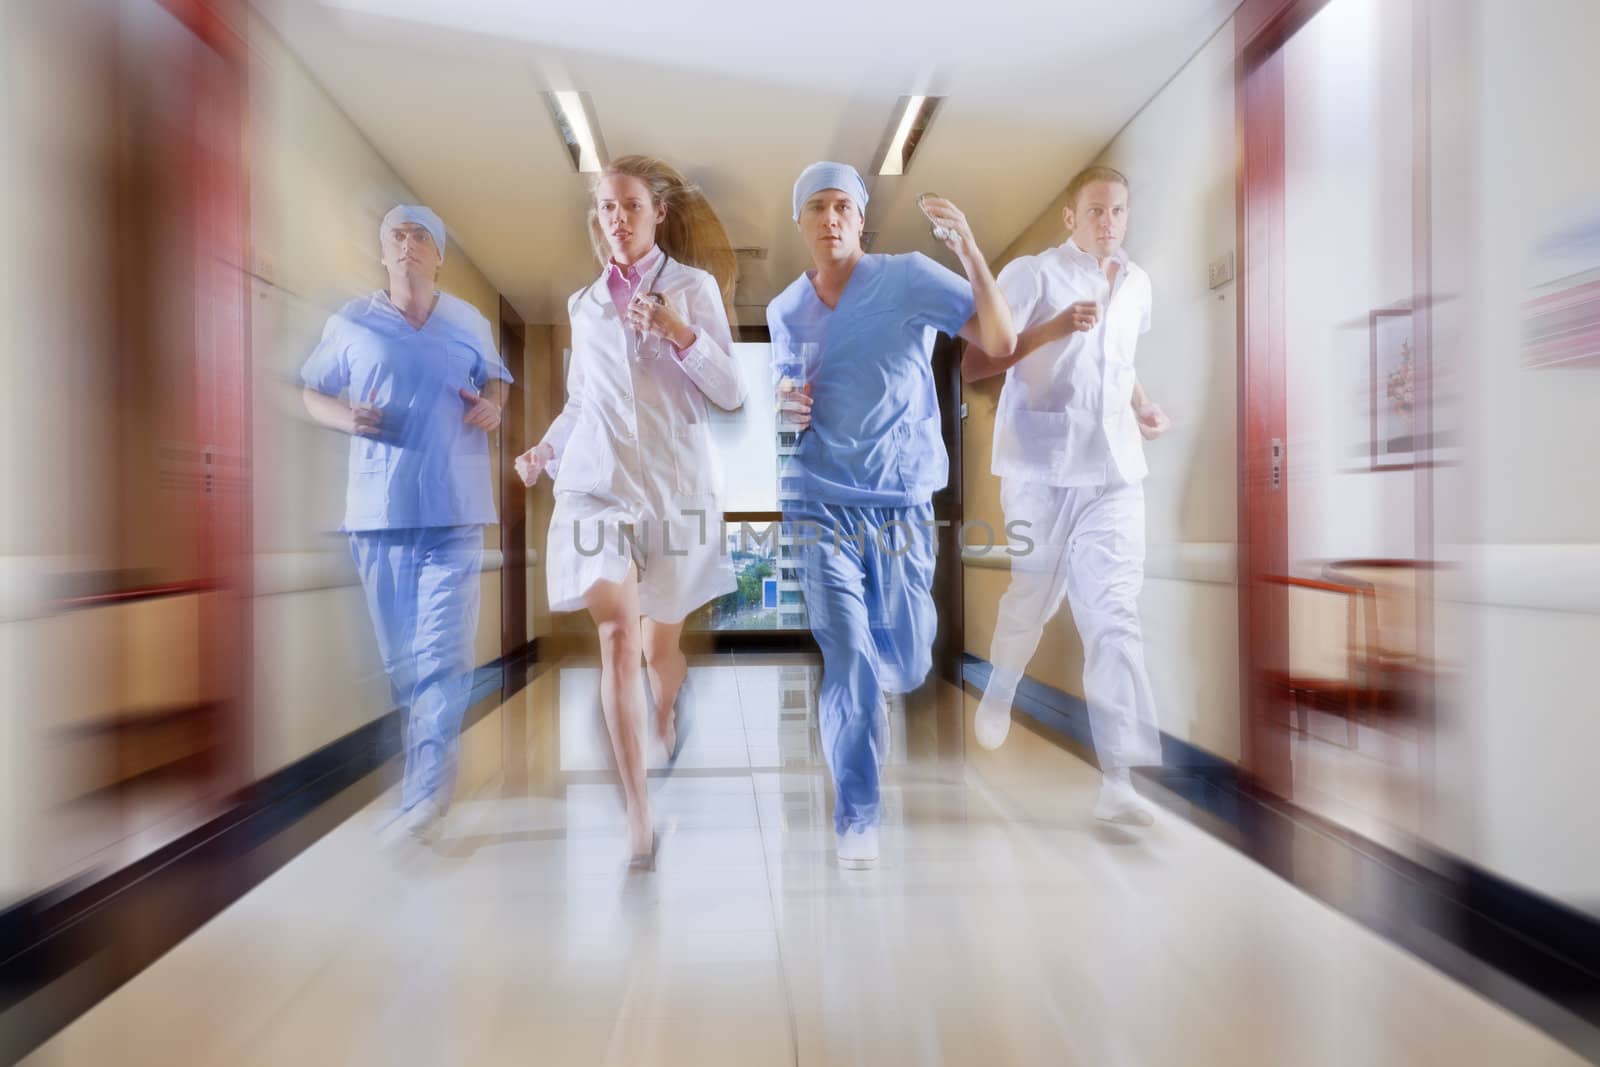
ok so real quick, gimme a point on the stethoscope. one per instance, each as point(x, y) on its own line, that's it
point(649, 294)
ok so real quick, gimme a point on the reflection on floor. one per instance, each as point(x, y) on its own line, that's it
point(1363, 777)
point(1002, 926)
point(113, 827)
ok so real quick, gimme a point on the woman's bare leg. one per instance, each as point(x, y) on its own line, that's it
point(667, 665)
point(614, 606)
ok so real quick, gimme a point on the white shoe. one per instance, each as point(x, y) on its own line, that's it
point(993, 722)
point(1120, 802)
point(858, 848)
point(424, 821)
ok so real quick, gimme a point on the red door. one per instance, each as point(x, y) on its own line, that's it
point(1335, 497)
point(175, 583)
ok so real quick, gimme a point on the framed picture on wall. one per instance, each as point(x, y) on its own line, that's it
point(1561, 323)
point(1392, 389)
point(1561, 311)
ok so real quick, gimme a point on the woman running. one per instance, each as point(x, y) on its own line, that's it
point(635, 536)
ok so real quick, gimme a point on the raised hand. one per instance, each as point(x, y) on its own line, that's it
point(794, 403)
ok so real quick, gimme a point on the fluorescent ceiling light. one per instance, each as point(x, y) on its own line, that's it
point(915, 114)
point(579, 131)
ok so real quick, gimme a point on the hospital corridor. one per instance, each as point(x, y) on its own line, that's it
point(910, 534)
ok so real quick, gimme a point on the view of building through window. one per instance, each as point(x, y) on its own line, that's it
point(754, 448)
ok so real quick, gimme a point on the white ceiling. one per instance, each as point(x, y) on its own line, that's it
point(739, 96)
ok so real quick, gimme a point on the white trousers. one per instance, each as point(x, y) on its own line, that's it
point(1088, 547)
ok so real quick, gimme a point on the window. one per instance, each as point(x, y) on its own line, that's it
point(746, 440)
point(752, 449)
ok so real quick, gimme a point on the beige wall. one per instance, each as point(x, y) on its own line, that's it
point(542, 373)
point(58, 111)
point(15, 741)
point(1513, 787)
point(318, 191)
point(1536, 435)
point(1179, 155)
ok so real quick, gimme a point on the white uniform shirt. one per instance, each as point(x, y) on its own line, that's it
point(634, 426)
point(1065, 416)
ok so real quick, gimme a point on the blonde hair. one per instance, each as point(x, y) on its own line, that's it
point(1088, 177)
point(691, 233)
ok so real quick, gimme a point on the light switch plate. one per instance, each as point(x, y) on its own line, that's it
point(1219, 271)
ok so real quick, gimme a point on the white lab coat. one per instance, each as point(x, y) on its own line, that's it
point(632, 446)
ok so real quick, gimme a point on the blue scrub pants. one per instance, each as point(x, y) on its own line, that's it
point(422, 592)
point(867, 574)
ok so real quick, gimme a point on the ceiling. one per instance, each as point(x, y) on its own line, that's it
point(740, 97)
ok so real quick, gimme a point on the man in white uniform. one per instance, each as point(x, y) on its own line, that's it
point(1067, 450)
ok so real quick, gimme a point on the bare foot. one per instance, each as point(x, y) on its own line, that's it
point(667, 730)
point(641, 837)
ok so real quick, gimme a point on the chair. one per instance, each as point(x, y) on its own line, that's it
point(1398, 667)
point(1329, 651)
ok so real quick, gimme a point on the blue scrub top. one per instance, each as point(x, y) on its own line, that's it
point(874, 438)
point(426, 467)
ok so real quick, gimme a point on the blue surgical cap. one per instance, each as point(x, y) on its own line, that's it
point(820, 176)
point(418, 214)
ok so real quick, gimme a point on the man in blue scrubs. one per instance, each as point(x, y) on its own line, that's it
point(412, 375)
point(855, 338)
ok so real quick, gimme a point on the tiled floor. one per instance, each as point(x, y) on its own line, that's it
point(1003, 926)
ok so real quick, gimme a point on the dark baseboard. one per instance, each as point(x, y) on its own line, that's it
point(64, 950)
point(1534, 956)
point(760, 641)
point(579, 643)
point(1569, 936)
point(1066, 717)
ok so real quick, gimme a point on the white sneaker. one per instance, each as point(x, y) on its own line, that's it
point(858, 848)
point(1120, 802)
point(993, 722)
point(424, 821)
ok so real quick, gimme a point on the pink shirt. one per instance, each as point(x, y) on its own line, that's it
point(624, 283)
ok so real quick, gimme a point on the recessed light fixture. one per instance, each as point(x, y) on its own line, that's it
point(573, 113)
point(913, 115)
